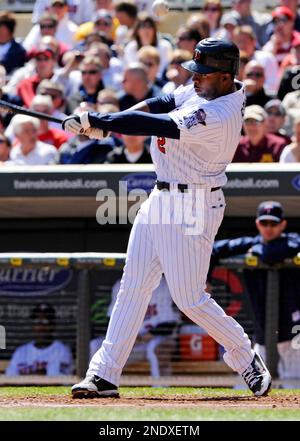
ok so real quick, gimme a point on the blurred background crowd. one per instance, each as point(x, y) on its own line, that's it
point(107, 55)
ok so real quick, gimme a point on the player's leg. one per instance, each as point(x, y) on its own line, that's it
point(142, 273)
point(185, 262)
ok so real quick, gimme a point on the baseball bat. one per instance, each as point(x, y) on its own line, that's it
point(18, 109)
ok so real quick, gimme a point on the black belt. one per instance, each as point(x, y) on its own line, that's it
point(181, 187)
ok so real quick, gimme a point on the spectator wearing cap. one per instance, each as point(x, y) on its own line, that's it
point(91, 83)
point(291, 153)
point(44, 355)
point(136, 87)
point(280, 43)
point(254, 80)
point(245, 38)
point(276, 119)
point(258, 21)
point(228, 25)
point(66, 29)
point(28, 150)
point(56, 91)
point(79, 11)
point(257, 145)
point(5, 146)
point(176, 74)
point(149, 57)
point(12, 53)
point(103, 23)
point(290, 67)
point(272, 245)
point(49, 135)
point(146, 34)
point(45, 62)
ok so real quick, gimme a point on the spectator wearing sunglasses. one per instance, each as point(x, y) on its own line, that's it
point(149, 57)
point(257, 145)
point(272, 245)
point(254, 79)
point(280, 43)
point(187, 38)
point(291, 153)
point(275, 121)
point(91, 83)
point(146, 34)
point(213, 11)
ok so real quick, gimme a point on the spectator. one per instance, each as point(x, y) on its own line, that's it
point(82, 150)
point(29, 150)
point(244, 60)
point(176, 74)
point(213, 11)
point(12, 53)
point(258, 21)
point(43, 355)
point(126, 12)
point(275, 119)
point(107, 96)
point(56, 91)
point(5, 146)
point(66, 29)
point(49, 135)
point(78, 11)
point(45, 63)
point(245, 39)
point(149, 57)
point(156, 340)
point(293, 6)
point(291, 71)
point(6, 118)
point(254, 79)
point(186, 39)
point(281, 41)
point(103, 23)
point(136, 87)
point(134, 151)
point(291, 103)
point(291, 153)
point(198, 22)
point(257, 145)
point(91, 76)
point(112, 72)
point(228, 24)
point(272, 245)
point(146, 34)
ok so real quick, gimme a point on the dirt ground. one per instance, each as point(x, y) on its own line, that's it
point(282, 401)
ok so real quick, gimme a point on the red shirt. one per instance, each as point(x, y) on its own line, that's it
point(26, 89)
point(268, 149)
point(54, 137)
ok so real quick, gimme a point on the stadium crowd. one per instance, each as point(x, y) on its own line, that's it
point(107, 55)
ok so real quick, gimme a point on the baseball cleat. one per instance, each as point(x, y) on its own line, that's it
point(257, 377)
point(95, 387)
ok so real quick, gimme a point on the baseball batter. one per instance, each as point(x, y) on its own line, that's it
point(197, 130)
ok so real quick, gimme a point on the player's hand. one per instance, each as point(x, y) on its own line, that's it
point(73, 124)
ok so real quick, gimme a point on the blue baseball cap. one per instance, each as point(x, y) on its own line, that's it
point(270, 210)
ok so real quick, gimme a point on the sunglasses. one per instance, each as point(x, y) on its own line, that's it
point(89, 72)
point(47, 26)
point(268, 223)
point(211, 9)
point(184, 38)
point(146, 25)
point(280, 20)
point(148, 63)
point(252, 121)
point(103, 23)
point(254, 75)
point(274, 114)
point(43, 58)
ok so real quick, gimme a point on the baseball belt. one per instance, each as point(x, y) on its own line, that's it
point(180, 187)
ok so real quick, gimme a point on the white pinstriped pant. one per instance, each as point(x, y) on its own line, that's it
point(156, 248)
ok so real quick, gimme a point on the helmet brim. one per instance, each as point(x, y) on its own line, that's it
point(194, 67)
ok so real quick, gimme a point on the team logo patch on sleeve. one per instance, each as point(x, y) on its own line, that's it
point(197, 117)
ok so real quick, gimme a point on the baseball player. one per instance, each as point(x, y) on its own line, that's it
point(195, 132)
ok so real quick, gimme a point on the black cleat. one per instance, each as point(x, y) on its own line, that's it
point(257, 377)
point(95, 387)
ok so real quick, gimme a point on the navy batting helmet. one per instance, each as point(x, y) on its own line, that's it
point(214, 55)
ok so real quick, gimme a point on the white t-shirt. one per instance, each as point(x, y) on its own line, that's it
point(287, 154)
point(55, 359)
point(42, 154)
point(209, 135)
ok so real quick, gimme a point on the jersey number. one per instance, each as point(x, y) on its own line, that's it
point(160, 144)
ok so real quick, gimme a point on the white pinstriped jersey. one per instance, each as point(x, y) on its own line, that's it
point(209, 135)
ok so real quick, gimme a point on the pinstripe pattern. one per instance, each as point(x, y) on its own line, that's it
point(157, 246)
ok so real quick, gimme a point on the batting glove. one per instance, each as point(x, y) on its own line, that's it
point(80, 125)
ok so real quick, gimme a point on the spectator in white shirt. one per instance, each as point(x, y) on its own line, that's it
point(291, 153)
point(28, 150)
point(66, 28)
point(79, 11)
